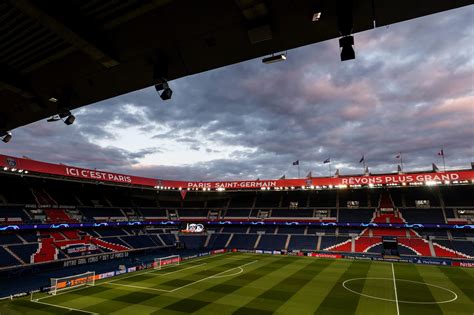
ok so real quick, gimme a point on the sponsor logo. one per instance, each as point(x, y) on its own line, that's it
point(11, 162)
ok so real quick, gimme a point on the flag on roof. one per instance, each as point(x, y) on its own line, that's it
point(441, 152)
point(328, 160)
point(362, 159)
point(297, 162)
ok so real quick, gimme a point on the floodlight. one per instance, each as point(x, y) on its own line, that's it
point(274, 58)
point(7, 136)
point(347, 50)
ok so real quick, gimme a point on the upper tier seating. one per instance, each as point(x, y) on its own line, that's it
point(292, 213)
point(459, 196)
point(355, 215)
point(153, 213)
point(322, 199)
point(195, 213)
point(415, 215)
point(96, 213)
point(11, 215)
point(237, 213)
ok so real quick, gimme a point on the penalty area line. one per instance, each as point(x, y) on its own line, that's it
point(63, 307)
point(213, 276)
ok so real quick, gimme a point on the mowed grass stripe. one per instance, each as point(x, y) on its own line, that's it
point(234, 300)
point(108, 298)
point(310, 296)
point(462, 279)
point(207, 296)
point(408, 291)
point(270, 300)
point(383, 289)
point(339, 300)
point(462, 305)
point(131, 296)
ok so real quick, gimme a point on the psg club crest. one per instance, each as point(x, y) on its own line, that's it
point(11, 162)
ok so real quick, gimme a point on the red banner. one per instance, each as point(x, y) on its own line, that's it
point(70, 171)
point(96, 175)
point(464, 264)
point(328, 181)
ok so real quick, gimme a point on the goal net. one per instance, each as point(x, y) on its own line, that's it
point(166, 261)
point(66, 283)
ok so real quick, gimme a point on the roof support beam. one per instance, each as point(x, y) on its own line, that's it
point(65, 32)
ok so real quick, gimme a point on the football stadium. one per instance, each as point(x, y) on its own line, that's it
point(142, 207)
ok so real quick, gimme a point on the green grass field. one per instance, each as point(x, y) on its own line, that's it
point(263, 284)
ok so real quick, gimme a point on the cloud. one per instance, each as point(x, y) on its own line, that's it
point(409, 90)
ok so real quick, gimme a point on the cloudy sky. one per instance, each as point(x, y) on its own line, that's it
point(411, 89)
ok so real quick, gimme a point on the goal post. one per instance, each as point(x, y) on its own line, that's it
point(70, 282)
point(166, 261)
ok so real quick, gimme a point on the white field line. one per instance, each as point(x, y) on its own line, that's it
point(62, 292)
point(138, 287)
point(154, 274)
point(154, 271)
point(395, 288)
point(230, 274)
point(213, 276)
point(217, 275)
point(133, 275)
point(64, 307)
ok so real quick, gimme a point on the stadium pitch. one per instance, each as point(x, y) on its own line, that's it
point(251, 284)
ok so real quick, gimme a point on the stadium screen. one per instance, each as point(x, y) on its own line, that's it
point(192, 228)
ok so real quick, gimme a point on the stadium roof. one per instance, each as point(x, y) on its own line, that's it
point(58, 55)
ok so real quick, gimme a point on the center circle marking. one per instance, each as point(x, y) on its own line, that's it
point(454, 295)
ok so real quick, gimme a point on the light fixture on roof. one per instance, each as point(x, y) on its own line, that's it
point(6, 136)
point(164, 89)
point(274, 58)
point(345, 26)
point(347, 48)
point(316, 11)
point(65, 115)
point(316, 16)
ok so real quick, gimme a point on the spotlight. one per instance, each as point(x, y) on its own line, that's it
point(347, 50)
point(7, 136)
point(166, 94)
point(70, 120)
point(274, 58)
point(165, 90)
